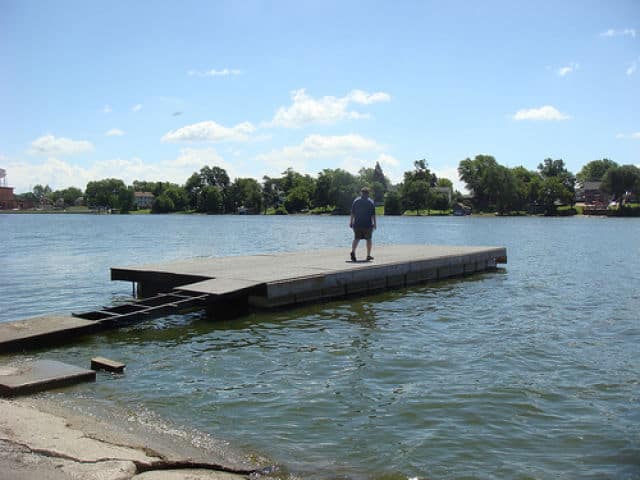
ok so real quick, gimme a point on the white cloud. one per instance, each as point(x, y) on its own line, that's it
point(632, 136)
point(546, 112)
point(107, 109)
point(61, 174)
point(214, 73)
point(114, 132)
point(630, 32)
point(364, 98)
point(566, 70)
point(50, 145)
point(317, 147)
point(136, 108)
point(210, 132)
point(306, 110)
point(385, 159)
point(632, 68)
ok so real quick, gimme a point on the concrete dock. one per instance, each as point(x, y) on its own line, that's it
point(280, 279)
point(228, 286)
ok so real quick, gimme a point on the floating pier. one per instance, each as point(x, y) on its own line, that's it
point(282, 279)
point(232, 285)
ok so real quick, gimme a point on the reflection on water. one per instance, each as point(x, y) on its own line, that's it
point(529, 372)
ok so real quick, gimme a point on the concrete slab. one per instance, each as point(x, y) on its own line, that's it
point(40, 375)
point(328, 268)
point(42, 331)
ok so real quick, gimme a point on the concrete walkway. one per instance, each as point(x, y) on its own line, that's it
point(38, 441)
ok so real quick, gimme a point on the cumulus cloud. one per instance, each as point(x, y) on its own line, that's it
point(136, 108)
point(60, 174)
point(214, 73)
point(210, 132)
point(306, 110)
point(318, 147)
point(567, 69)
point(546, 112)
point(50, 145)
point(626, 32)
point(632, 68)
point(114, 132)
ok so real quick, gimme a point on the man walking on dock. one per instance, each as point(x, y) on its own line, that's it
point(363, 222)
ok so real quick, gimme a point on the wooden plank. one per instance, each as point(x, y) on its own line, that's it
point(102, 363)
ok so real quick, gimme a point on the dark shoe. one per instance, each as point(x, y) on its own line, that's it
point(369, 258)
point(353, 256)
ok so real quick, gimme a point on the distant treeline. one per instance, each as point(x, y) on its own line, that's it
point(493, 188)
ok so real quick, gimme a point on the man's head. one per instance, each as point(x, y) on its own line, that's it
point(364, 191)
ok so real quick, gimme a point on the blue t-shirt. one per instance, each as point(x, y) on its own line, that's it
point(363, 209)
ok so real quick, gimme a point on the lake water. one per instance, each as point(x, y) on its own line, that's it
point(529, 372)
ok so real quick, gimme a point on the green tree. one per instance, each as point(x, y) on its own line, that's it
point(381, 178)
point(552, 191)
point(109, 193)
point(193, 187)
point(208, 177)
point(298, 199)
point(502, 189)
point(42, 194)
point(210, 200)
point(322, 196)
point(162, 204)
point(393, 203)
point(272, 195)
point(594, 171)
point(178, 196)
point(416, 188)
point(528, 185)
point(478, 175)
point(247, 193)
point(67, 196)
point(376, 180)
point(555, 169)
point(70, 195)
point(145, 186)
point(620, 181)
point(344, 188)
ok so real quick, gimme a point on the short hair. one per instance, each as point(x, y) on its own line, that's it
point(364, 190)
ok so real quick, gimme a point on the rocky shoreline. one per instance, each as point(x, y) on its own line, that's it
point(40, 439)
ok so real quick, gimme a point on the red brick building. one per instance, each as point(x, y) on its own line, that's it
point(7, 200)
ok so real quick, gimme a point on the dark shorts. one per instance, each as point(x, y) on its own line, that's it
point(362, 233)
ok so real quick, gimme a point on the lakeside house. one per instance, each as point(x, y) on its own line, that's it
point(143, 199)
point(593, 193)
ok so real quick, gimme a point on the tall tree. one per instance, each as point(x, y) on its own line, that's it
point(416, 188)
point(594, 170)
point(207, 177)
point(477, 174)
point(555, 169)
point(247, 193)
point(620, 181)
point(110, 193)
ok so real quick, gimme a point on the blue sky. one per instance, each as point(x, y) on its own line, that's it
point(156, 90)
